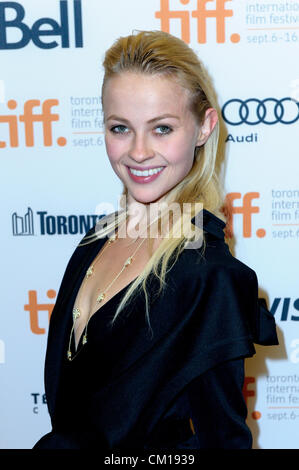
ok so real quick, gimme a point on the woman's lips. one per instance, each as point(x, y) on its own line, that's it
point(144, 179)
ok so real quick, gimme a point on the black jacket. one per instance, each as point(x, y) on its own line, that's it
point(179, 387)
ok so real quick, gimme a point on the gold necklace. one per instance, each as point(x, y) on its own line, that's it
point(100, 297)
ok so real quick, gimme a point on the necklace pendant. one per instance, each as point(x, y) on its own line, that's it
point(100, 297)
point(76, 314)
point(128, 261)
point(89, 272)
point(84, 339)
point(69, 355)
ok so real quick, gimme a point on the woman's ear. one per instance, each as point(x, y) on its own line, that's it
point(210, 121)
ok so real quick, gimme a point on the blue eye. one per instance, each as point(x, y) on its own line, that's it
point(163, 130)
point(119, 129)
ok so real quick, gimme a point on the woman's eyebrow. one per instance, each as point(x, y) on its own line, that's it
point(113, 117)
point(163, 116)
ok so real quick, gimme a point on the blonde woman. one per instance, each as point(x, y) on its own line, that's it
point(154, 316)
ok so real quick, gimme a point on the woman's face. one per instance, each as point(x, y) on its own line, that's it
point(149, 126)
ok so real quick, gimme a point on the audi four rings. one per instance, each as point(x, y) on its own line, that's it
point(268, 111)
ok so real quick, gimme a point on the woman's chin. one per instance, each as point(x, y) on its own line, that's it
point(143, 198)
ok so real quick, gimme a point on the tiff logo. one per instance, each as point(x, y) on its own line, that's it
point(33, 307)
point(246, 210)
point(23, 225)
point(249, 393)
point(204, 11)
point(29, 118)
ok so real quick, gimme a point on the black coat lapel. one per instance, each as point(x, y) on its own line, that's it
point(61, 318)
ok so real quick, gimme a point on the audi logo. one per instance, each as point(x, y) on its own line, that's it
point(254, 111)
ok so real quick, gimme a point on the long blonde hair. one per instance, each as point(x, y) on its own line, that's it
point(157, 52)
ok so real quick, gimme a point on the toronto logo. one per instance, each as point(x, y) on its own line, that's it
point(23, 225)
point(49, 224)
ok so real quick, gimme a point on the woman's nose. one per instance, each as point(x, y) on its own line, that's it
point(141, 148)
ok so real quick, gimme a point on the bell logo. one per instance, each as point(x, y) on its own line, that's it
point(246, 210)
point(38, 30)
point(220, 13)
point(34, 308)
point(28, 118)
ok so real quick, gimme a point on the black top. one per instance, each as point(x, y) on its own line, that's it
point(176, 386)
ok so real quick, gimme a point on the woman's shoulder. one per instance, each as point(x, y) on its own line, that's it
point(227, 287)
point(215, 254)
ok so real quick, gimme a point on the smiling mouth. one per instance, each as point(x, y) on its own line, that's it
point(152, 171)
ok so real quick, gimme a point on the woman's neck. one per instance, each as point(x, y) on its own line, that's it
point(141, 218)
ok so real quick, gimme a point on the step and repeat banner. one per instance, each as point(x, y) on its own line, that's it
point(56, 179)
